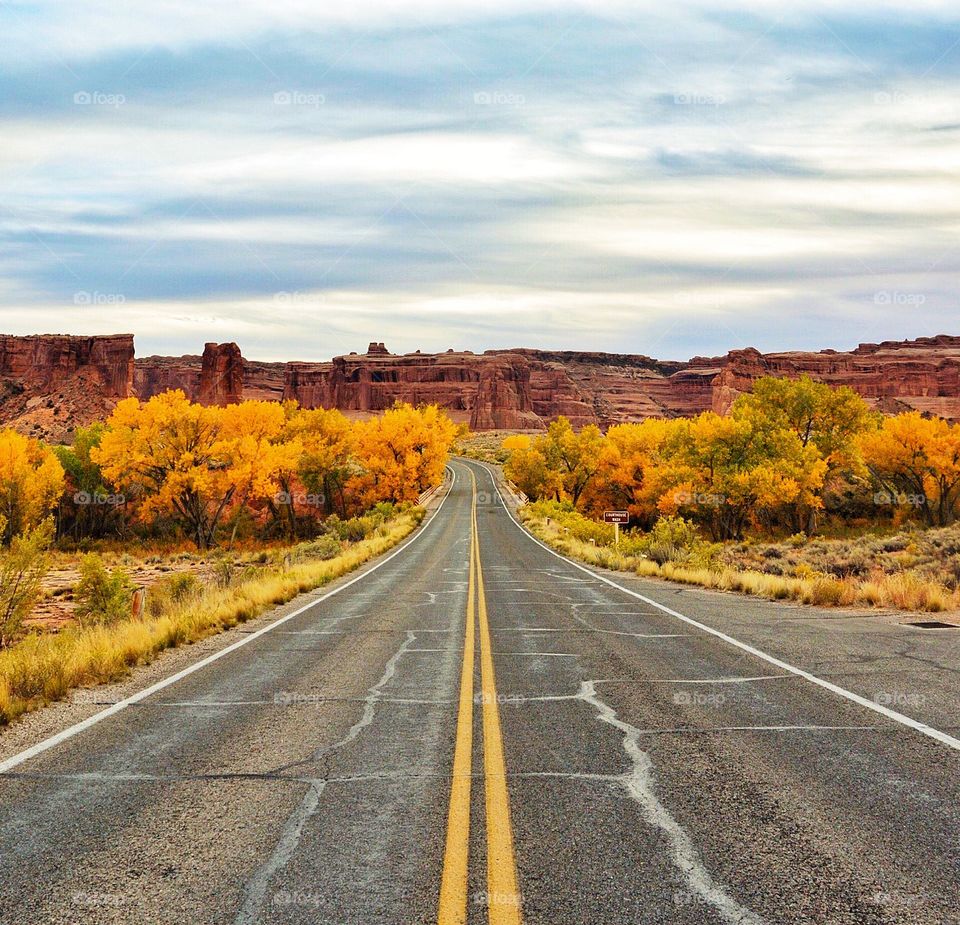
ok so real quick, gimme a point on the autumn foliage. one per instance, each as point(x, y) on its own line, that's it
point(788, 455)
point(206, 466)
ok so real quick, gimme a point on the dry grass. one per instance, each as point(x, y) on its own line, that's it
point(903, 590)
point(44, 667)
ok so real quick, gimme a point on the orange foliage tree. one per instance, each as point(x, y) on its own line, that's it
point(916, 461)
point(190, 461)
point(31, 483)
point(401, 453)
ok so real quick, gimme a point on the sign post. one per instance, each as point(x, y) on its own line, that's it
point(616, 518)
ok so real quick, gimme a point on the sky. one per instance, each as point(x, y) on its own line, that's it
point(672, 179)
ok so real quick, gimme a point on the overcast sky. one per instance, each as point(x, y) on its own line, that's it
point(302, 177)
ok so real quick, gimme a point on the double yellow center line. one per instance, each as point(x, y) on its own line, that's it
point(503, 896)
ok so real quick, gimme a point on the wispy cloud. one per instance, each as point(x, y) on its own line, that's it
point(304, 177)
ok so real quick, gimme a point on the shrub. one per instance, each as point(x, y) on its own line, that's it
point(676, 540)
point(223, 571)
point(102, 596)
point(324, 547)
point(183, 586)
point(22, 571)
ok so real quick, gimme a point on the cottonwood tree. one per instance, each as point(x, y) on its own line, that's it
point(401, 453)
point(31, 483)
point(190, 461)
point(916, 461)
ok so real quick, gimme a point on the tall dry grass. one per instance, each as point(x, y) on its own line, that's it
point(900, 591)
point(44, 667)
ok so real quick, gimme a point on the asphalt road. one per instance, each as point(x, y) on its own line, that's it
point(604, 754)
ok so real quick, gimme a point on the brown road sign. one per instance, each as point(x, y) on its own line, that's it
point(616, 517)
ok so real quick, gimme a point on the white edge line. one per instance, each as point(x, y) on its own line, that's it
point(77, 728)
point(904, 720)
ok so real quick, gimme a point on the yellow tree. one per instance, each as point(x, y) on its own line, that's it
point(829, 419)
point(561, 464)
point(327, 462)
point(401, 453)
point(917, 462)
point(316, 474)
point(516, 442)
point(629, 458)
point(187, 460)
point(253, 438)
point(31, 483)
point(526, 467)
point(722, 471)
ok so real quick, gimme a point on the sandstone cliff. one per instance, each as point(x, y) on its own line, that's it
point(922, 374)
point(49, 384)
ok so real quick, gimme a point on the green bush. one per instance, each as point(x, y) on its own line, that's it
point(22, 570)
point(184, 585)
point(323, 547)
point(102, 596)
point(223, 571)
point(674, 539)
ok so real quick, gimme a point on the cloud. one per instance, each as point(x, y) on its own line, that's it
point(681, 178)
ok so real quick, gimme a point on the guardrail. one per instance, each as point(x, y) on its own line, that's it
point(519, 495)
point(428, 494)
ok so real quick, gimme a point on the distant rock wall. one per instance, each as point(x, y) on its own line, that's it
point(51, 383)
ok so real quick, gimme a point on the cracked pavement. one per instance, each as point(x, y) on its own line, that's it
point(656, 774)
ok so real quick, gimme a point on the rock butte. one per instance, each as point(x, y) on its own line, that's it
point(49, 384)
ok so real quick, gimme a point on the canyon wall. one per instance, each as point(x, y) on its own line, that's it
point(49, 384)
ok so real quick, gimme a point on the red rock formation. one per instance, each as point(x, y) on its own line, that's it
point(155, 374)
point(50, 359)
point(923, 374)
point(221, 375)
point(504, 396)
point(263, 381)
point(52, 383)
point(48, 384)
point(374, 382)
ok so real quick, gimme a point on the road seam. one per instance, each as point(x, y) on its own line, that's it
point(503, 894)
point(453, 884)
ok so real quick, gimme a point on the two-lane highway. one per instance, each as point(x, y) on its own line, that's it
point(476, 729)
